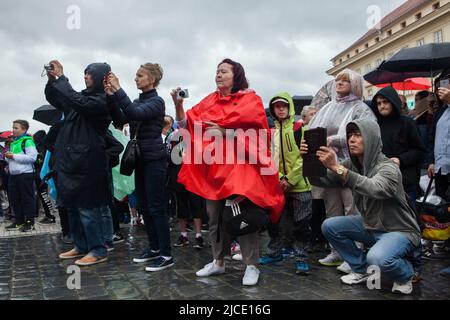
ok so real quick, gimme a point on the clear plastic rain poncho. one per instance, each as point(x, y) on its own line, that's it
point(335, 115)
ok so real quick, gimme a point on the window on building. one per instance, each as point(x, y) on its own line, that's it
point(403, 24)
point(436, 6)
point(377, 39)
point(367, 45)
point(356, 51)
point(419, 15)
point(348, 56)
point(389, 33)
point(340, 60)
point(438, 37)
point(420, 42)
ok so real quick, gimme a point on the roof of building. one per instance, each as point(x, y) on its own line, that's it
point(405, 9)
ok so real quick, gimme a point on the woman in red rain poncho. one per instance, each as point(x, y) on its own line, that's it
point(232, 106)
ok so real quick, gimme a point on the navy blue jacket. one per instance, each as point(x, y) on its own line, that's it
point(149, 110)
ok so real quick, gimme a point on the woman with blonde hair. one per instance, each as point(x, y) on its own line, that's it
point(347, 105)
point(146, 118)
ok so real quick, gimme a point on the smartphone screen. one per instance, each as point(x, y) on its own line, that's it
point(444, 83)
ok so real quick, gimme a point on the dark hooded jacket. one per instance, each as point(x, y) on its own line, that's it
point(149, 110)
point(80, 159)
point(401, 139)
point(377, 189)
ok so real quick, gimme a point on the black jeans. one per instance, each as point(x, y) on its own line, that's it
point(150, 189)
point(22, 197)
point(64, 218)
point(44, 198)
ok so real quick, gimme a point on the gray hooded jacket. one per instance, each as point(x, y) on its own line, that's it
point(377, 187)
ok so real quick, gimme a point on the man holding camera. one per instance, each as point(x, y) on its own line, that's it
point(80, 158)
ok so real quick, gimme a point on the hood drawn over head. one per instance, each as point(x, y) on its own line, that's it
point(286, 97)
point(373, 146)
point(356, 82)
point(392, 96)
point(98, 71)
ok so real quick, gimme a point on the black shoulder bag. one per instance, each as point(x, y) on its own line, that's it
point(131, 155)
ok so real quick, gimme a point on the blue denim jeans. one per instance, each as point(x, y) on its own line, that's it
point(108, 230)
point(150, 190)
point(86, 226)
point(388, 251)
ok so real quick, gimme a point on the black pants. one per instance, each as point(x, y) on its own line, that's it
point(44, 198)
point(318, 217)
point(64, 218)
point(116, 210)
point(22, 197)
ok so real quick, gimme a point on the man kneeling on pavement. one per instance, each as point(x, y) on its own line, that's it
point(387, 224)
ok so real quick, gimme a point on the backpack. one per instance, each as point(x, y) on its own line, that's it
point(39, 159)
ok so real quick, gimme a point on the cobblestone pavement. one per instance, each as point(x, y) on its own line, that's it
point(30, 270)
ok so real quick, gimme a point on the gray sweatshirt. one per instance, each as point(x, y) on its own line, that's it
point(377, 187)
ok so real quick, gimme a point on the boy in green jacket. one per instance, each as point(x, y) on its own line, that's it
point(21, 159)
point(293, 229)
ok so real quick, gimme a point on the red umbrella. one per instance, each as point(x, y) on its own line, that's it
point(409, 84)
point(6, 134)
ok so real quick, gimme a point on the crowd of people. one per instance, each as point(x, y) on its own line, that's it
point(203, 166)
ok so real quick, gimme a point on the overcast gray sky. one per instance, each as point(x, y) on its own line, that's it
point(283, 45)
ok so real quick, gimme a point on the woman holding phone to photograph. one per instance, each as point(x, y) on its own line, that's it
point(146, 118)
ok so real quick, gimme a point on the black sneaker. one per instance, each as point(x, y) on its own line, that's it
point(118, 238)
point(182, 241)
point(13, 226)
point(159, 264)
point(47, 220)
point(147, 256)
point(199, 243)
point(27, 227)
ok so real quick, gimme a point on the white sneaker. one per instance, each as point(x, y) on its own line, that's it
point(211, 269)
point(354, 278)
point(332, 260)
point(237, 257)
point(405, 288)
point(251, 276)
point(344, 268)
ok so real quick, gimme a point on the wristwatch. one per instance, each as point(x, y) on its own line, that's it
point(340, 170)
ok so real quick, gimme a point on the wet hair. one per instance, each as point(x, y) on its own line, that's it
point(422, 94)
point(352, 128)
point(240, 82)
point(155, 71)
point(23, 123)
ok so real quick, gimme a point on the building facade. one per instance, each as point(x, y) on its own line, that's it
point(415, 23)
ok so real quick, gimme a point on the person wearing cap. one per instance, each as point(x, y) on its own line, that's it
point(292, 235)
point(81, 161)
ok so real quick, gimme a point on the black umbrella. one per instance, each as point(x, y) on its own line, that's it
point(378, 76)
point(427, 58)
point(47, 114)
